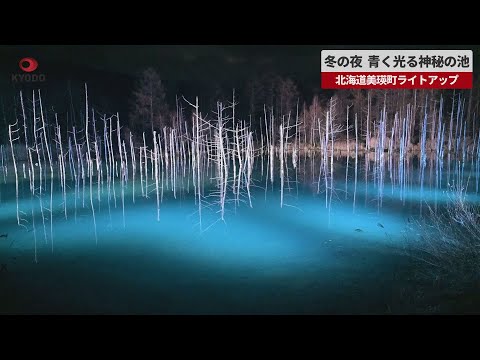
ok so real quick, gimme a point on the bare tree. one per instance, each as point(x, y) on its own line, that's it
point(149, 107)
point(287, 96)
point(255, 93)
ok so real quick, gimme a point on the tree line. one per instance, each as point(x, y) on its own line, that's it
point(273, 94)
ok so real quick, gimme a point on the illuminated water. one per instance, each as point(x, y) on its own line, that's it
point(309, 256)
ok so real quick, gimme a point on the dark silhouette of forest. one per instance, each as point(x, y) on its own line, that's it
point(266, 89)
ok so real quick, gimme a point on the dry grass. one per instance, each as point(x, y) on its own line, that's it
point(445, 250)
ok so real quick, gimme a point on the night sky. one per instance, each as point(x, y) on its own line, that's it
point(189, 70)
point(176, 61)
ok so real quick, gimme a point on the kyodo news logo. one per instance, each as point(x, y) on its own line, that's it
point(28, 74)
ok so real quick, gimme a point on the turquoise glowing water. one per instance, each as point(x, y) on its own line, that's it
point(305, 257)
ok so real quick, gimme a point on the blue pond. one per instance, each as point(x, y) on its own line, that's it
point(310, 251)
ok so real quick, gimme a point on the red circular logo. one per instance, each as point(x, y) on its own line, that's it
point(28, 64)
